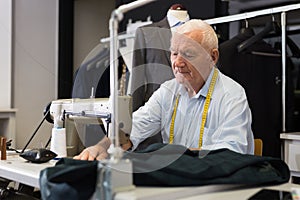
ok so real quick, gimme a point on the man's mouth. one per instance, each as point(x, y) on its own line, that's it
point(183, 72)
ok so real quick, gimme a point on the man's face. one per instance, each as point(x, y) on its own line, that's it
point(191, 63)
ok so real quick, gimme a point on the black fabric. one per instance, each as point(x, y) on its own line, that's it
point(69, 179)
point(76, 179)
point(261, 77)
point(40, 155)
point(217, 167)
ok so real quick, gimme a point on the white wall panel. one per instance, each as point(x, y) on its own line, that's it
point(5, 53)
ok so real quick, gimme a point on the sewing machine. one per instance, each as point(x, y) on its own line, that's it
point(93, 111)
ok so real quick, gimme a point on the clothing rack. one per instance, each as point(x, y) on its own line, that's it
point(120, 37)
point(270, 11)
point(248, 15)
point(117, 15)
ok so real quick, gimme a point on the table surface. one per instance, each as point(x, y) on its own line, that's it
point(213, 192)
point(290, 136)
point(17, 169)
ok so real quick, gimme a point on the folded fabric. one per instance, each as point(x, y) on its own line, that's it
point(221, 166)
point(166, 165)
point(69, 179)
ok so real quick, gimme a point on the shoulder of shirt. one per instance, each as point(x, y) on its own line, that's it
point(170, 87)
point(170, 83)
point(230, 85)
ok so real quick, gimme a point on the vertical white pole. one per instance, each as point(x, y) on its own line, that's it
point(283, 51)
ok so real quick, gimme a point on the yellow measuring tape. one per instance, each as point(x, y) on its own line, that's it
point(173, 119)
point(206, 106)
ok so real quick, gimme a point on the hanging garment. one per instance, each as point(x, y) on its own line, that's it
point(258, 70)
point(151, 66)
point(151, 61)
point(92, 73)
point(95, 73)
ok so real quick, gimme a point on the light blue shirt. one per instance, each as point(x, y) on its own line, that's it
point(228, 123)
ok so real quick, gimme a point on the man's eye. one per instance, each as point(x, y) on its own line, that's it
point(189, 55)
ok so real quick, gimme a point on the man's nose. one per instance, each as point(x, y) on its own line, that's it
point(179, 61)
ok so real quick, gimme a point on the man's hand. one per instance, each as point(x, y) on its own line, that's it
point(98, 151)
point(92, 153)
point(127, 145)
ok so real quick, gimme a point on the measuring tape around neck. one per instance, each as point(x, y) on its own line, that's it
point(204, 114)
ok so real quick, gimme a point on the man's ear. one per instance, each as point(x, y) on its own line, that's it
point(215, 55)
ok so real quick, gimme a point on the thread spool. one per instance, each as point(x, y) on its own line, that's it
point(3, 148)
point(58, 142)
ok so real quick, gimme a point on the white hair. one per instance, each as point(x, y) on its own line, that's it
point(209, 40)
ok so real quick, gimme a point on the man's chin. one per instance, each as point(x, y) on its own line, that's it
point(183, 82)
point(180, 80)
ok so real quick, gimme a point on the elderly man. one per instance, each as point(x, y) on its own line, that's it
point(200, 108)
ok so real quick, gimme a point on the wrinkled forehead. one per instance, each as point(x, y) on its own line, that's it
point(190, 40)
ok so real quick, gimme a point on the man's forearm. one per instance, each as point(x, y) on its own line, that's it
point(104, 142)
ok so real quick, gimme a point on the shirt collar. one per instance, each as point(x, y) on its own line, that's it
point(204, 90)
point(173, 20)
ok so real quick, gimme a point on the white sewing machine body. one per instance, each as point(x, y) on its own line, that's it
point(93, 111)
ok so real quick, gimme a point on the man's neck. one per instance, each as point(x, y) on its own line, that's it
point(192, 91)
